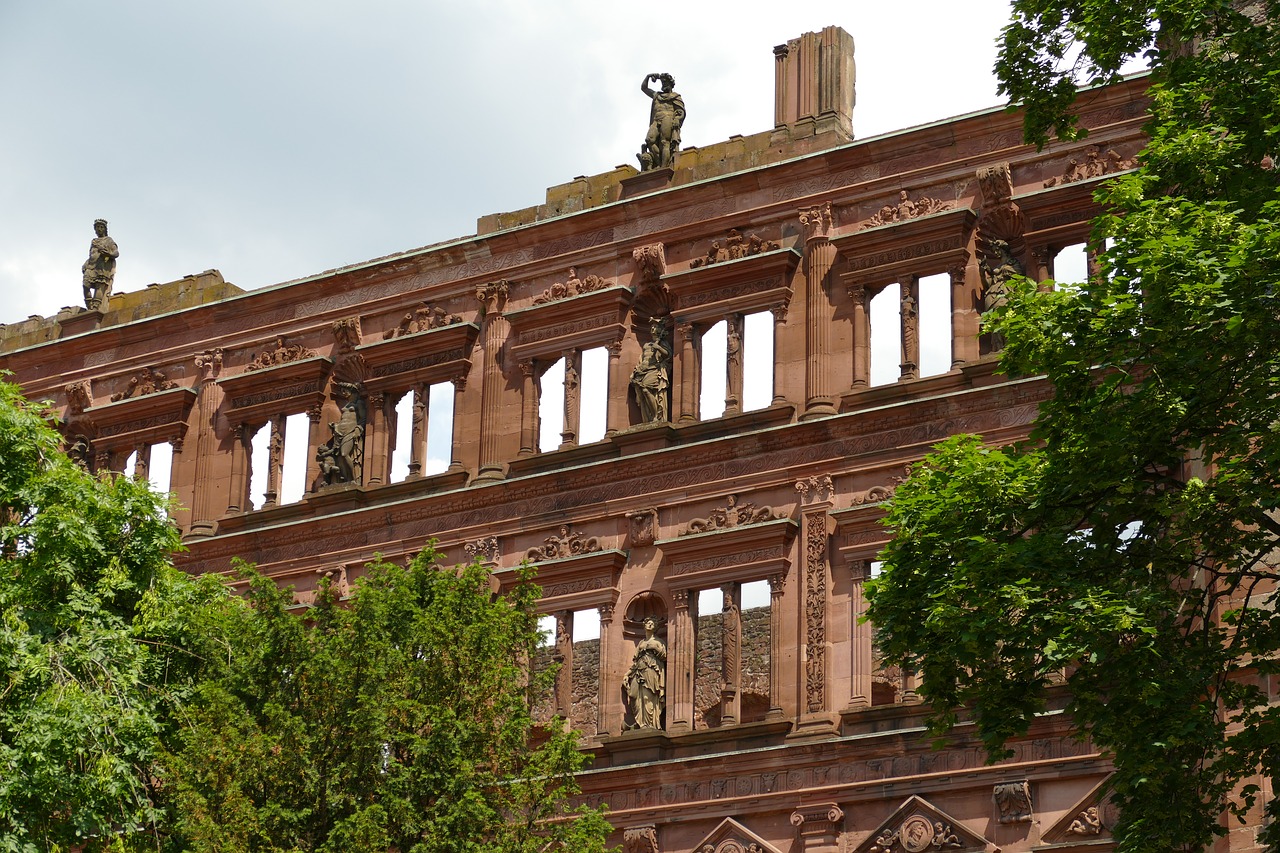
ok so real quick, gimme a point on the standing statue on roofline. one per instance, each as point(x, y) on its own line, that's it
point(662, 142)
point(100, 269)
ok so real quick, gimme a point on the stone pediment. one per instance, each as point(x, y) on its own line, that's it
point(885, 253)
point(580, 322)
point(746, 552)
point(918, 826)
point(258, 395)
point(145, 419)
point(579, 582)
point(1088, 822)
point(434, 355)
point(740, 286)
point(732, 837)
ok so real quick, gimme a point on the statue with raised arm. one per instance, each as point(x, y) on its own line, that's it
point(100, 269)
point(646, 681)
point(666, 115)
point(651, 377)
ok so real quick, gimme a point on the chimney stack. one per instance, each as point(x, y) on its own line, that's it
point(814, 85)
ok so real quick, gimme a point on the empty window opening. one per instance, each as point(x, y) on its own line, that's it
point(886, 336)
point(708, 659)
point(297, 444)
point(935, 324)
point(756, 643)
point(1071, 264)
point(585, 672)
point(757, 361)
point(403, 435)
point(551, 407)
point(259, 459)
point(711, 401)
point(594, 402)
point(131, 464)
point(439, 428)
point(160, 471)
point(546, 630)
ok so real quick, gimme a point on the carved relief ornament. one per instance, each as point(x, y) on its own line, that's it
point(346, 334)
point(640, 839)
point(735, 246)
point(280, 353)
point(643, 527)
point(816, 222)
point(573, 286)
point(906, 209)
point(567, 544)
point(1013, 801)
point(421, 319)
point(815, 488)
point(485, 549)
point(1094, 165)
point(732, 514)
point(147, 381)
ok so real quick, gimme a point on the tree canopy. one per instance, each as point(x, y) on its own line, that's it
point(400, 719)
point(1130, 545)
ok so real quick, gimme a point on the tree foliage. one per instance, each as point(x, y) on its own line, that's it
point(400, 719)
point(98, 644)
point(1132, 542)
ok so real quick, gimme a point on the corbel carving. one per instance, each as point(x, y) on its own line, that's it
point(1013, 801)
point(493, 296)
point(815, 489)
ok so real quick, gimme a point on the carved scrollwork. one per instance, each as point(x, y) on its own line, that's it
point(1095, 165)
point(421, 319)
point(573, 286)
point(816, 222)
point(147, 381)
point(483, 549)
point(815, 488)
point(906, 209)
point(735, 246)
point(732, 514)
point(1013, 801)
point(79, 396)
point(640, 839)
point(279, 354)
point(567, 544)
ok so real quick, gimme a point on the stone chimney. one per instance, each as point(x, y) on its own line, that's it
point(814, 85)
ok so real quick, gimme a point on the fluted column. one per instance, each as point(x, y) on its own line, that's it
point(377, 442)
point(909, 322)
point(680, 661)
point(275, 461)
point(819, 255)
point(779, 313)
point(731, 654)
point(572, 399)
point(861, 336)
point(861, 654)
point(493, 299)
point(689, 372)
point(418, 418)
point(528, 408)
point(616, 417)
point(777, 586)
point(608, 711)
point(208, 398)
point(733, 365)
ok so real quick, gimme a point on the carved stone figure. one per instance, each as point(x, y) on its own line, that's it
point(732, 514)
point(100, 269)
point(422, 318)
point(640, 839)
point(646, 681)
point(1088, 822)
point(279, 354)
point(662, 142)
point(998, 265)
point(1095, 165)
point(341, 458)
point(906, 209)
point(736, 246)
point(569, 543)
point(651, 377)
point(573, 286)
point(146, 382)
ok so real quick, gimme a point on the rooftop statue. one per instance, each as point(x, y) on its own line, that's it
point(100, 269)
point(662, 142)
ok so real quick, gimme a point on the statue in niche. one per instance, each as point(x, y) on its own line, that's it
point(998, 265)
point(666, 115)
point(341, 458)
point(646, 681)
point(100, 269)
point(651, 377)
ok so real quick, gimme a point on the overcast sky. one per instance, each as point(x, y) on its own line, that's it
point(275, 139)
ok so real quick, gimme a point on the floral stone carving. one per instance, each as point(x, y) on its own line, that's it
point(640, 839)
point(735, 246)
point(280, 354)
point(567, 544)
point(573, 286)
point(906, 209)
point(422, 318)
point(146, 382)
point(732, 514)
point(1013, 801)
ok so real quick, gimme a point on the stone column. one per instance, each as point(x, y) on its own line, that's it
point(376, 442)
point(777, 585)
point(861, 655)
point(238, 499)
point(528, 408)
point(572, 399)
point(965, 319)
point(455, 449)
point(779, 313)
point(687, 394)
point(142, 463)
point(418, 430)
point(616, 417)
point(1043, 256)
point(731, 655)
point(909, 321)
point(680, 661)
point(733, 364)
point(816, 501)
point(608, 710)
point(493, 299)
point(208, 398)
point(315, 438)
point(861, 336)
point(564, 656)
point(819, 255)
point(275, 461)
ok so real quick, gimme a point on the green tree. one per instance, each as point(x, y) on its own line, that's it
point(399, 719)
point(97, 644)
point(1132, 542)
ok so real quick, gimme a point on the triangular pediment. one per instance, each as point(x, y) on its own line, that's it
point(1089, 820)
point(918, 825)
point(732, 837)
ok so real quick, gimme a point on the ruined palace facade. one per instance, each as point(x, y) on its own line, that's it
point(735, 543)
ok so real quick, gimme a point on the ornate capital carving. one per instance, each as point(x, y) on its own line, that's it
point(1012, 801)
point(493, 296)
point(777, 584)
point(815, 489)
point(346, 334)
point(208, 363)
point(643, 527)
point(640, 839)
point(680, 599)
point(816, 222)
